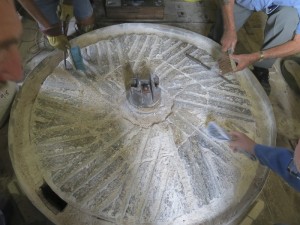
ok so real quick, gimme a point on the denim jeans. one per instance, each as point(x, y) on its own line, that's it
point(82, 9)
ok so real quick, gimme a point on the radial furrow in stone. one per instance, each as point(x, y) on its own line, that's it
point(207, 143)
point(192, 97)
point(92, 189)
point(205, 78)
point(229, 97)
point(143, 52)
point(229, 107)
point(179, 121)
point(127, 150)
point(58, 163)
point(156, 197)
point(136, 140)
point(87, 158)
point(98, 199)
point(233, 89)
point(136, 47)
point(178, 59)
point(203, 187)
point(155, 47)
point(168, 54)
point(99, 52)
point(228, 111)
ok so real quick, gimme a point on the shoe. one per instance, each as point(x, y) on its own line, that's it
point(262, 75)
point(290, 70)
point(82, 29)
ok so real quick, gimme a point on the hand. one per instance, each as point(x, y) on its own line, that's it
point(229, 40)
point(244, 60)
point(65, 12)
point(61, 42)
point(241, 141)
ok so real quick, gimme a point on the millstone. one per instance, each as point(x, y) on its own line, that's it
point(78, 134)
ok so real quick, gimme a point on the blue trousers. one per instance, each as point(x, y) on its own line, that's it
point(82, 9)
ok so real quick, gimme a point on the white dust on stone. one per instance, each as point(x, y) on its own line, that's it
point(156, 168)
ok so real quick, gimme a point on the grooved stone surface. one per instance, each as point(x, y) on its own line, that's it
point(112, 161)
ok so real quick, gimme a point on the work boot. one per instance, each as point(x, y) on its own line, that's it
point(290, 70)
point(82, 29)
point(262, 75)
point(86, 25)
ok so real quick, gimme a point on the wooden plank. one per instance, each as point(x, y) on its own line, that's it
point(135, 12)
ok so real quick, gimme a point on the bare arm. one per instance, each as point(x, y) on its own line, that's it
point(289, 48)
point(229, 38)
point(286, 49)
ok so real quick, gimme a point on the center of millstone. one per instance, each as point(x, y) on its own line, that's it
point(144, 92)
point(146, 103)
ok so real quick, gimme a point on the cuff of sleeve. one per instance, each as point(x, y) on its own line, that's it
point(277, 159)
point(273, 157)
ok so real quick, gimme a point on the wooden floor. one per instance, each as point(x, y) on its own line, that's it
point(282, 203)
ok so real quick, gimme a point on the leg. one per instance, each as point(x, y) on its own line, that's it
point(84, 15)
point(280, 28)
point(48, 9)
point(241, 15)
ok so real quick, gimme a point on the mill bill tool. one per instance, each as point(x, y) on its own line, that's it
point(226, 64)
point(204, 65)
point(74, 52)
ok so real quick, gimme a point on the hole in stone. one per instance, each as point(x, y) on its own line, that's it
point(51, 199)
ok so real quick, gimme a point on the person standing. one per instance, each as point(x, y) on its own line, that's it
point(53, 17)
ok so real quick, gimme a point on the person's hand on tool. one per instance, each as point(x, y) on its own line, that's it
point(229, 40)
point(65, 12)
point(241, 141)
point(244, 60)
point(56, 37)
point(60, 42)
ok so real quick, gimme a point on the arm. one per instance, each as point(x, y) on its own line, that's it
point(276, 159)
point(289, 48)
point(53, 32)
point(229, 38)
point(34, 11)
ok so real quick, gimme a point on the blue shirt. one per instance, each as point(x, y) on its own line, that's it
point(277, 159)
point(261, 5)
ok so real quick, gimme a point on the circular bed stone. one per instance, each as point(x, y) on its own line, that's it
point(107, 161)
